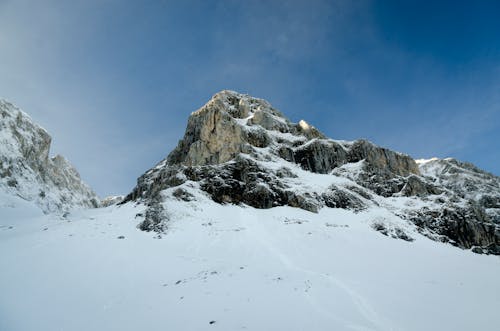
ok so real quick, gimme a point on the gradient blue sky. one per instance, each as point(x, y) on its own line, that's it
point(114, 81)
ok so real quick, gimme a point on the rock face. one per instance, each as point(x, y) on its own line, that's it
point(469, 215)
point(466, 181)
point(241, 150)
point(232, 131)
point(27, 170)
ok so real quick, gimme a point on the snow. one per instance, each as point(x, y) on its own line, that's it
point(244, 268)
point(286, 136)
point(305, 181)
point(304, 125)
point(424, 161)
point(13, 208)
point(350, 170)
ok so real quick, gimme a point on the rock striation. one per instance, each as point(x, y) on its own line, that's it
point(240, 149)
point(27, 170)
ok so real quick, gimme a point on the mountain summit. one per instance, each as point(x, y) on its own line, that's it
point(241, 150)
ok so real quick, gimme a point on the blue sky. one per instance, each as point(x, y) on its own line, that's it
point(114, 81)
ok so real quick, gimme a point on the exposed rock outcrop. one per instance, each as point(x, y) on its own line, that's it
point(468, 215)
point(231, 124)
point(27, 170)
point(241, 150)
point(466, 181)
point(465, 227)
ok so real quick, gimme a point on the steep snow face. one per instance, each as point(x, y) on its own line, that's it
point(26, 170)
point(241, 150)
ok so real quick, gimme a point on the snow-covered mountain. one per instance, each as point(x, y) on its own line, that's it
point(239, 149)
point(26, 170)
point(254, 223)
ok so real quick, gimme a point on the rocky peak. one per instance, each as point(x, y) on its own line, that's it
point(27, 170)
point(241, 150)
point(232, 123)
point(232, 134)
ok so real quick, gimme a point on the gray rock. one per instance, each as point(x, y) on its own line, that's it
point(212, 137)
point(227, 139)
point(477, 250)
point(320, 156)
point(464, 227)
point(270, 121)
point(339, 198)
point(382, 160)
point(27, 170)
point(465, 181)
point(416, 186)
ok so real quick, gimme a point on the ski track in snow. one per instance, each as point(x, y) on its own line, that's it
point(362, 304)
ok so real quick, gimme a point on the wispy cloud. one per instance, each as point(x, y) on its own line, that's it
point(114, 81)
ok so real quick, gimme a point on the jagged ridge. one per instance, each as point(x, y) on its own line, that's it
point(27, 170)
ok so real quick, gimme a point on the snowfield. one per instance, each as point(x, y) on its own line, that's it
point(227, 267)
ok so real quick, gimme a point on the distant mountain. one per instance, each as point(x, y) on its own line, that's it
point(241, 150)
point(27, 171)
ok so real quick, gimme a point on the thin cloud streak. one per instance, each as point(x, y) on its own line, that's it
point(114, 82)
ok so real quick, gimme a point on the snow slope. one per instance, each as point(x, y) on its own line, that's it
point(241, 268)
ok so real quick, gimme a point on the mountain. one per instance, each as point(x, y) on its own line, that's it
point(27, 171)
point(252, 223)
point(241, 150)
